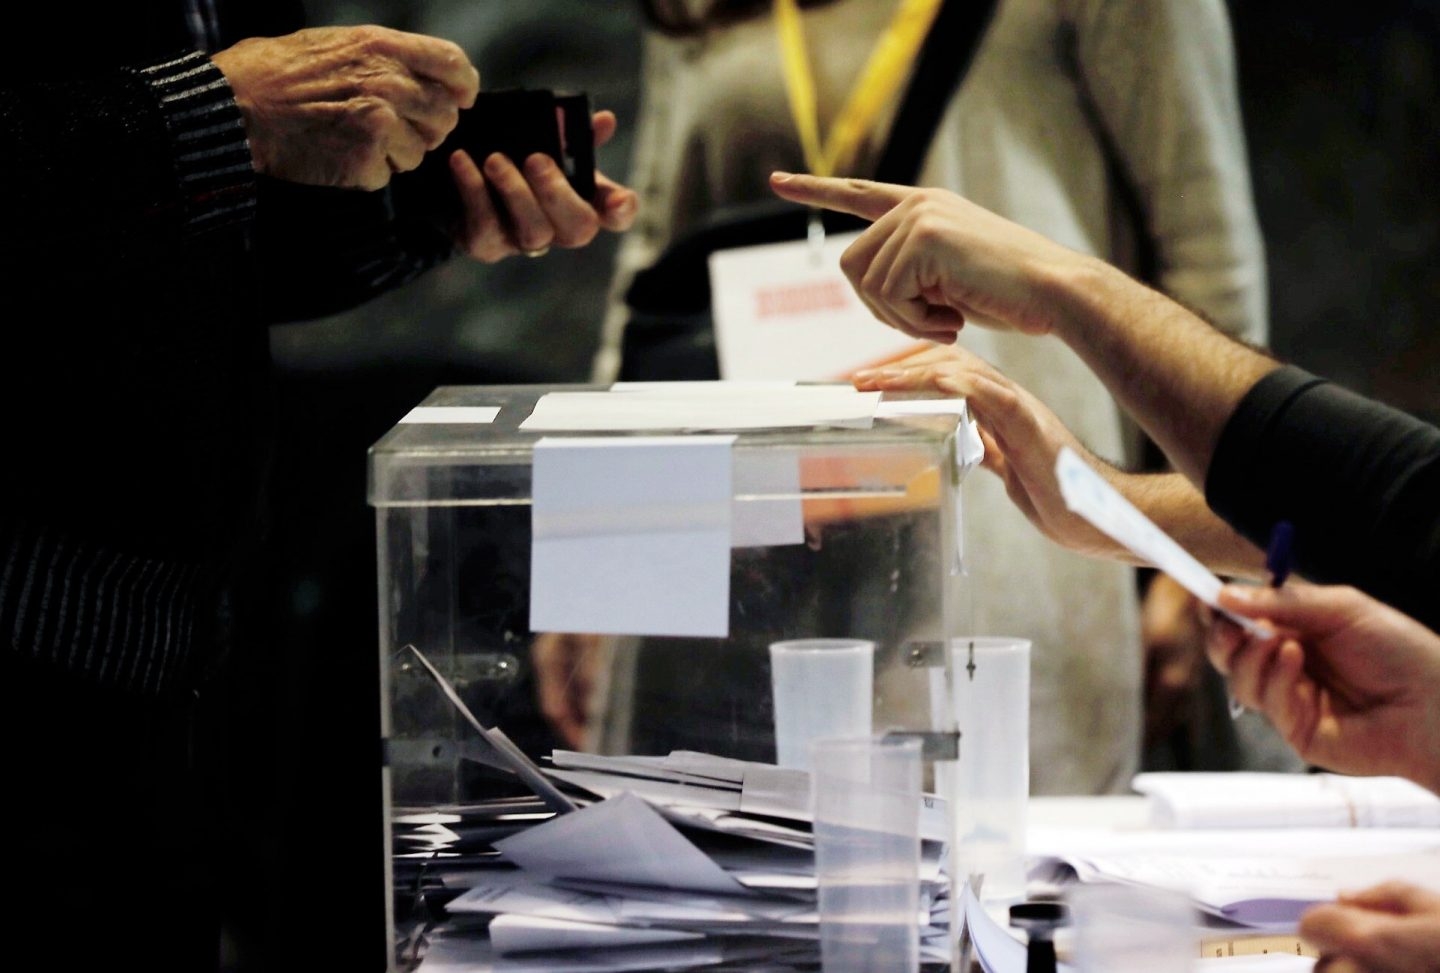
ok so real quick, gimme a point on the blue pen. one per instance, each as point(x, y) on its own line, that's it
point(1277, 562)
point(1277, 558)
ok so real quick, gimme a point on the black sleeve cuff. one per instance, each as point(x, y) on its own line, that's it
point(1233, 484)
point(1357, 479)
point(207, 133)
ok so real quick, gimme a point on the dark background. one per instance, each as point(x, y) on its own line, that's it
point(1343, 117)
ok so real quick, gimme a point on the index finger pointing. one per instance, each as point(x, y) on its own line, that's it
point(858, 197)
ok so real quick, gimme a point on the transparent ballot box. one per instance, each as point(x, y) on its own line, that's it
point(593, 591)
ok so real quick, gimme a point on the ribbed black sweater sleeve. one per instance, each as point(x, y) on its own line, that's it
point(120, 157)
point(1359, 481)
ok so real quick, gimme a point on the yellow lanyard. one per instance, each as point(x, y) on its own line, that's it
point(888, 65)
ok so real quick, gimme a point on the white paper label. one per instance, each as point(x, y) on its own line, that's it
point(785, 311)
point(631, 535)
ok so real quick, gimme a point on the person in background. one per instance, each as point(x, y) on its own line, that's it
point(184, 174)
point(1112, 125)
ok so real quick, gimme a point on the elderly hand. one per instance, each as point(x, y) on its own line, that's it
point(1350, 683)
point(346, 107)
point(1392, 928)
point(932, 260)
point(541, 208)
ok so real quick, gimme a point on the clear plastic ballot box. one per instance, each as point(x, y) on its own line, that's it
point(617, 591)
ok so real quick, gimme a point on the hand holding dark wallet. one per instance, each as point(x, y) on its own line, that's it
point(516, 123)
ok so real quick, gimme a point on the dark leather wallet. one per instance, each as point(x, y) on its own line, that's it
point(516, 122)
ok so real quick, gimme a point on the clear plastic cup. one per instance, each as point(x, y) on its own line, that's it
point(988, 787)
point(867, 853)
point(1129, 929)
point(822, 688)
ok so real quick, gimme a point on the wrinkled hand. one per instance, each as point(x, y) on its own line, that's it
point(932, 260)
point(1172, 636)
point(346, 107)
point(1022, 437)
point(568, 669)
point(1392, 928)
point(1350, 683)
point(541, 208)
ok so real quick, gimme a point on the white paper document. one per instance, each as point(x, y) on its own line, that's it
point(1087, 494)
point(632, 535)
point(512, 934)
point(620, 841)
point(786, 311)
point(717, 406)
point(480, 415)
point(1259, 892)
point(1261, 800)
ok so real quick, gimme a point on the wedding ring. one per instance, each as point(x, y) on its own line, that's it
point(538, 252)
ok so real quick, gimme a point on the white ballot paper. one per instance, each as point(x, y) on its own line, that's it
point(662, 406)
point(785, 310)
point(620, 841)
point(477, 415)
point(1234, 799)
point(1087, 494)
point(631, 536)
point(511, 934)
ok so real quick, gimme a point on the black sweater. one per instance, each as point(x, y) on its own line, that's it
point(1359, 481)
point(149, 259)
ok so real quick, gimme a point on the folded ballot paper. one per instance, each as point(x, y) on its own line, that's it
point(687, 855)
point(629, 863)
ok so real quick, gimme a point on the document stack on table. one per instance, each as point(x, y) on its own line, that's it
point(1251, 851)
point(686, 860)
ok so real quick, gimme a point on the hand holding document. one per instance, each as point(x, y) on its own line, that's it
point(1087, 494)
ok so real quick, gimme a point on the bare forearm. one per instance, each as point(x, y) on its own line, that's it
point(1176, 375)
point(1179, 509)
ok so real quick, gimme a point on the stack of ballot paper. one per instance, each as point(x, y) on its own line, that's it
point(1260, 800)
point(685, 860)
point(1254, 851)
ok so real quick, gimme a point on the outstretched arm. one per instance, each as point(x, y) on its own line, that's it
point(933, 261)
point(1022, 439)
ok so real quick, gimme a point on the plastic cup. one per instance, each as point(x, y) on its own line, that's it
point(867, 854)
point(1127, 929)
point(989, 786)
point(822, 688)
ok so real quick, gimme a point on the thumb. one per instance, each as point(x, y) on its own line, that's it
point(858, 197)
point(1299, 606)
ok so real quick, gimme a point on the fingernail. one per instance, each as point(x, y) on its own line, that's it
point(781, 176)
point(538, 164)
point(864, 374)
point(494, 162)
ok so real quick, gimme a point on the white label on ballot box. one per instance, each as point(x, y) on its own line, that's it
point(631, 535)
point(785, 311)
